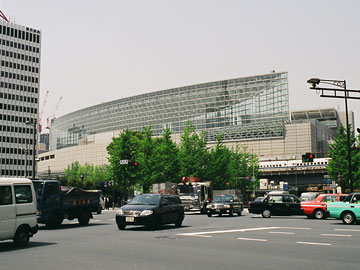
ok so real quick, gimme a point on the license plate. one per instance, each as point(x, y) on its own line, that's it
point(129, 219)
point(217, 210)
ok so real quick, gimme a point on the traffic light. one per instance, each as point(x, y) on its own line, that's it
point(308, 157)
point(133, 165)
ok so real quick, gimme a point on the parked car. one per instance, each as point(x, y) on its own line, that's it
point(317, 208)
point(277, 205)
point(225, 204)
point(348, 210)
point(152, 210)
point(18, 219)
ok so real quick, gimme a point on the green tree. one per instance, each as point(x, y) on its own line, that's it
point(72, 175)
point(166, 166)
point(193, 154)
point(244, 170)
point(123, 147)
point(338, 167)
point(146, 160)
point(218, 165)
point(100, 175)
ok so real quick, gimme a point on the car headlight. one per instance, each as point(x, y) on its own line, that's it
point(227, 206)
point(146, 212)
point(208, 206)
point(120, 212)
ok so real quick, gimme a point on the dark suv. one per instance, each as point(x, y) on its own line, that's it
point(224, 204)
point(152, 210)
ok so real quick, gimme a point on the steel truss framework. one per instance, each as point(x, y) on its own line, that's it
point(242, 108)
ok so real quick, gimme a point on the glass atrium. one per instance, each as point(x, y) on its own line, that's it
point(253, 107)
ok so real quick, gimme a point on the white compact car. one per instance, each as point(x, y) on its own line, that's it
point(18, 219)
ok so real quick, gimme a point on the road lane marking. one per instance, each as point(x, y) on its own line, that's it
point(312, 243)
point(336, 235)
point(253, 239)
point(112, 219)
point(347, 230)
point(296, 228)
point(282, 232)
point(96, 220)
point(228, 231)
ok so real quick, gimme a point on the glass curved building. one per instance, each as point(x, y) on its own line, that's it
point(253, 107)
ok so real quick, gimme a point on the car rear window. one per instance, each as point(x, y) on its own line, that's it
point(328, 199)
point(174, 200)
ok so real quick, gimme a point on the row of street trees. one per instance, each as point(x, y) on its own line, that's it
point(162, 160)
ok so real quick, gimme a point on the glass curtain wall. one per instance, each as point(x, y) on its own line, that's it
point(242, 108)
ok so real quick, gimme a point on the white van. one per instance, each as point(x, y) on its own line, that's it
point(18, 219)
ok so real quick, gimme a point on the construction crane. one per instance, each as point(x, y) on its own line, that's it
point(42, 110)
point(52, 116)
point(2, 15)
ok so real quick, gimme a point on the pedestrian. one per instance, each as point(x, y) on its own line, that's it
point(106, 199)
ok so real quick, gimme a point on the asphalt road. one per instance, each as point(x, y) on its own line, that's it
point(245, 242)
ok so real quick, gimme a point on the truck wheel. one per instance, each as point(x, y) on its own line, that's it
point(266, 213)
point(121, 226)
point(22, 237)
point(319, 214)
point(348, 218)
point(231, 212)
point(209, 215)
point(84, 218)
point(239, 212)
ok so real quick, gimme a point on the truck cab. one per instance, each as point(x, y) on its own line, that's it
point(194, 195)
point(17, 210)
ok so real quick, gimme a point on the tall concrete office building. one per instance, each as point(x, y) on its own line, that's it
point(20, 48)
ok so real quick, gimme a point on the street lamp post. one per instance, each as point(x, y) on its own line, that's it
point(338, 93)
point(33, 123)
point(25, 151)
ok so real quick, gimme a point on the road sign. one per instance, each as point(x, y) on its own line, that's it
point(124, 162)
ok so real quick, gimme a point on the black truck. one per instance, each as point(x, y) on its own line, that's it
point(276, 205)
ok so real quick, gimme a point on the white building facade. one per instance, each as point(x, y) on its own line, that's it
point(20, 49)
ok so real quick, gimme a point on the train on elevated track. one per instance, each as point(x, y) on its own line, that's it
point(319, 163)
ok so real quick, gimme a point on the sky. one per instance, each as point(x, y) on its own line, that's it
point(98, 51)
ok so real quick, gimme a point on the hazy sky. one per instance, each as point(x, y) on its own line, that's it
point(98, 51)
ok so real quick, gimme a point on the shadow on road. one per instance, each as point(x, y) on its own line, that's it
point(9, 246)
point(72, 226)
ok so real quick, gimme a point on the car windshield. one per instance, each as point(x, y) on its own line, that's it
point(38, 186)
point(222, 199)
point(145, 200)
point(186, 190)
